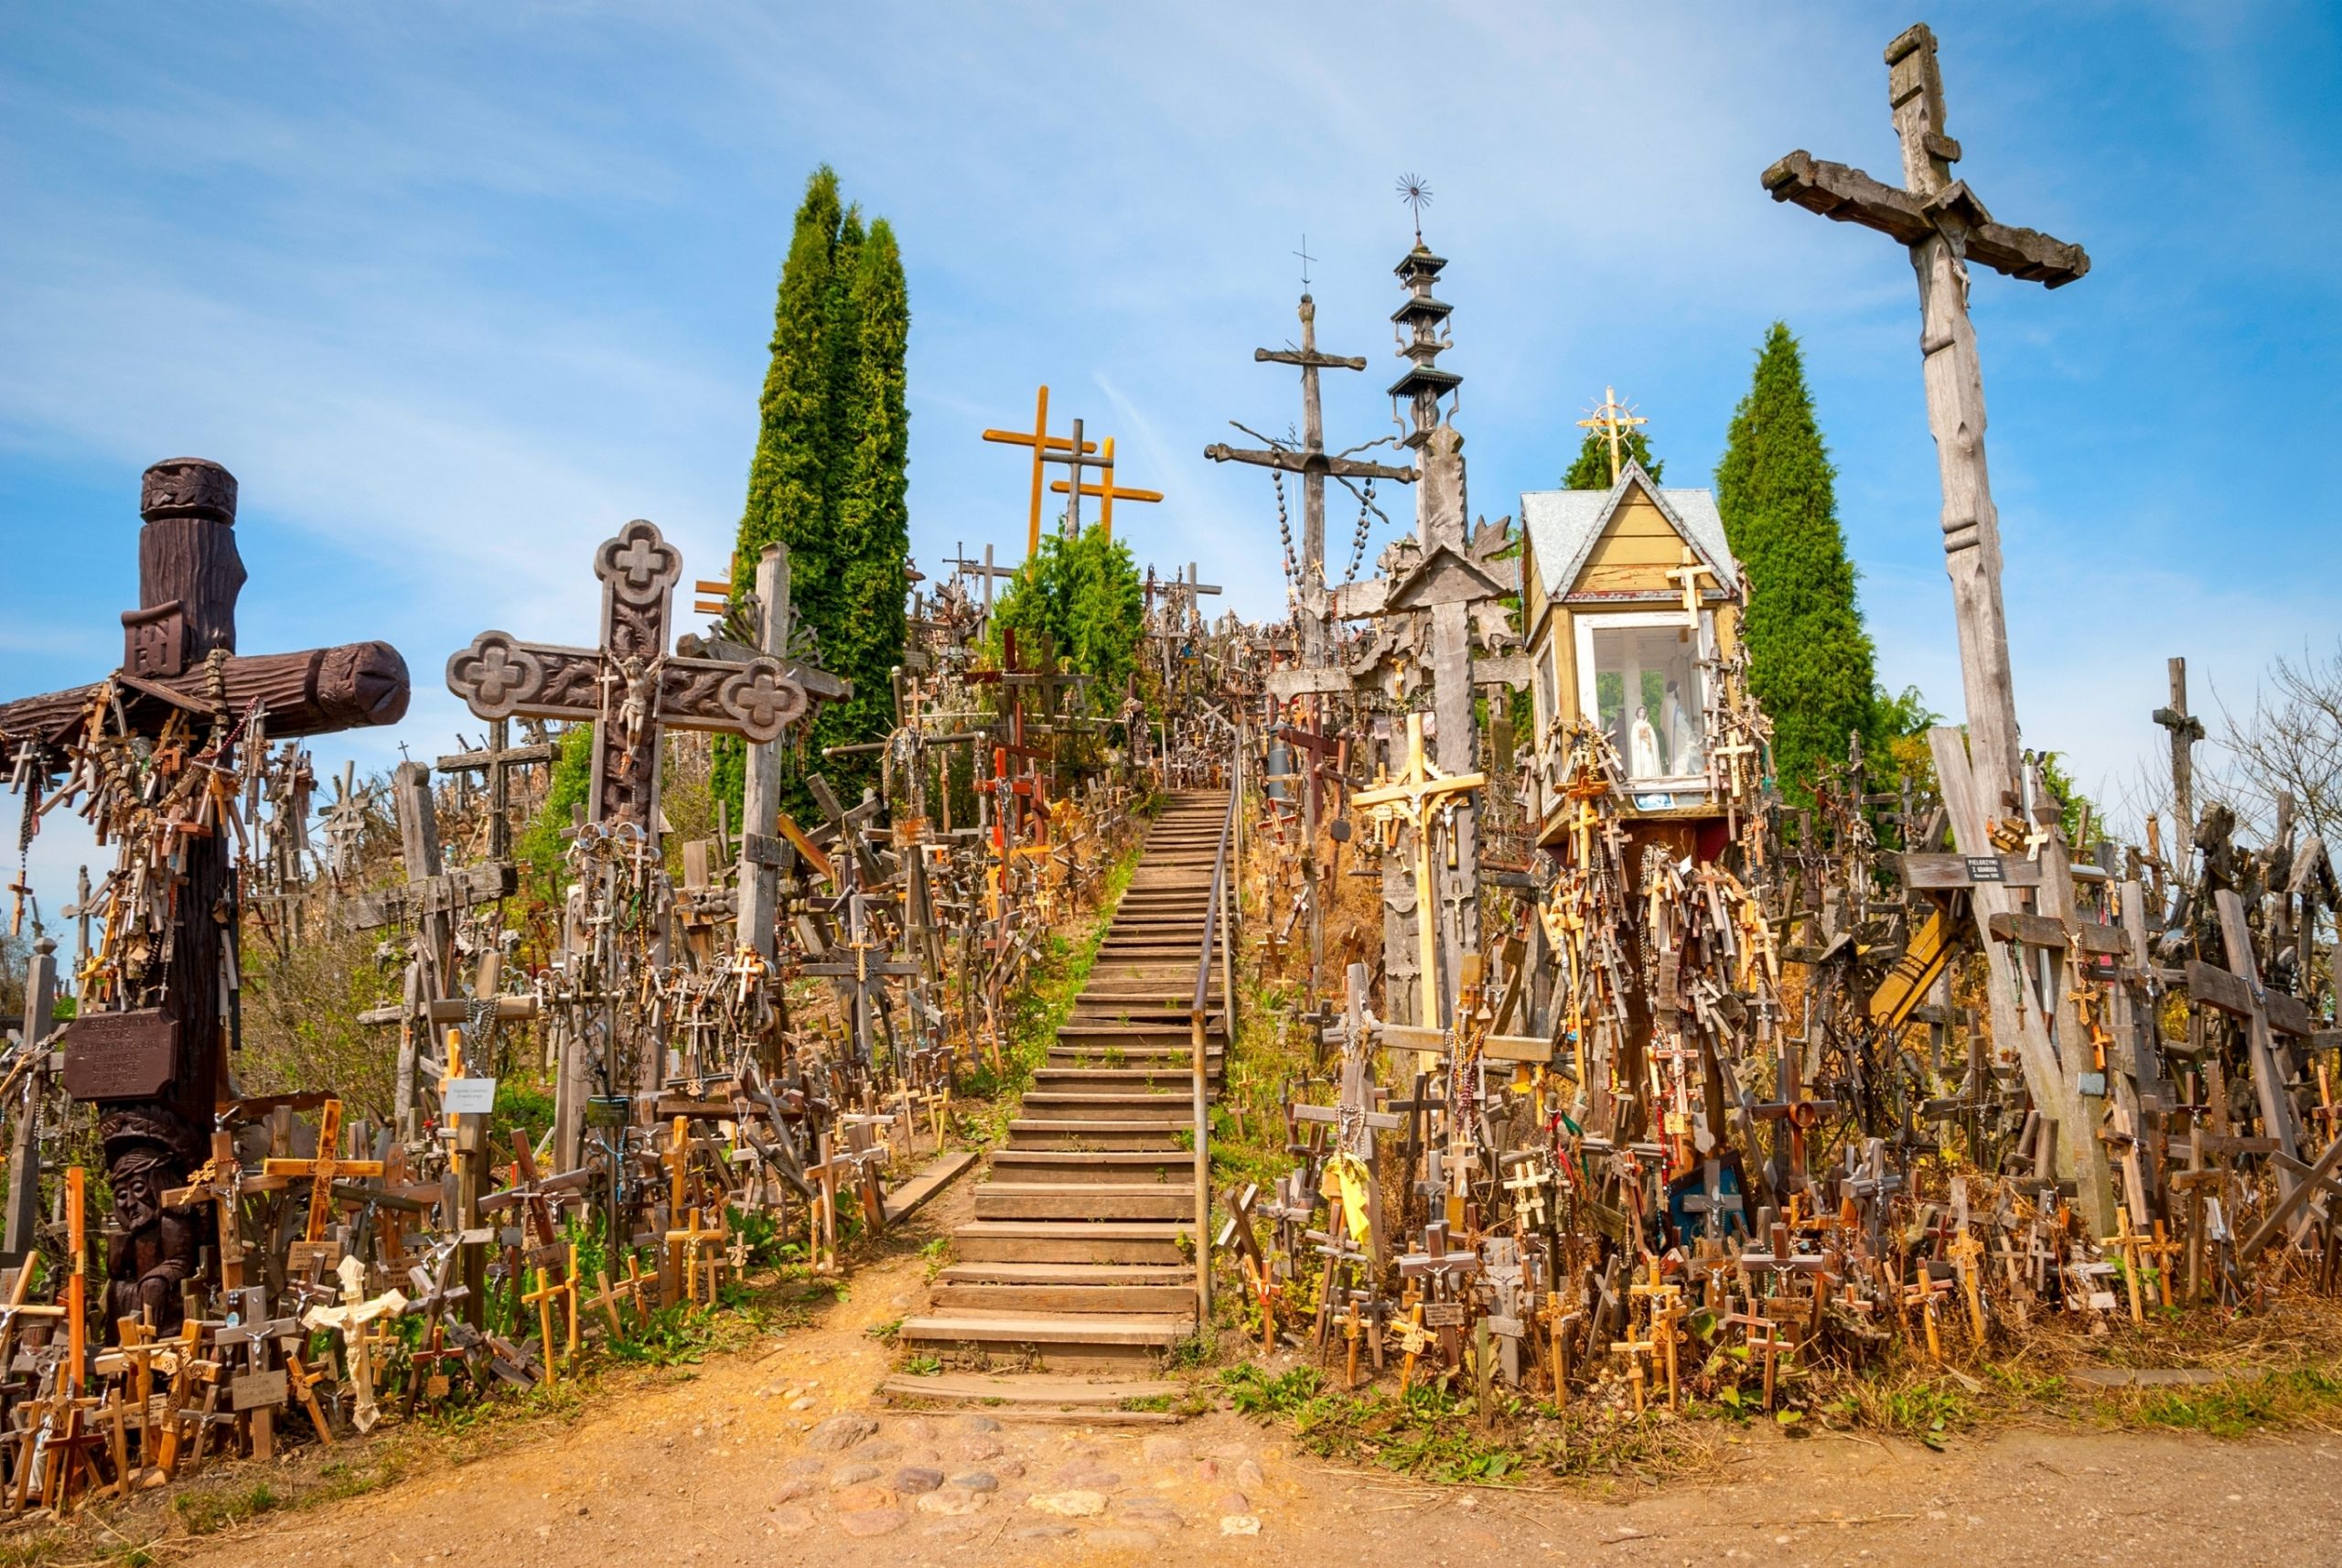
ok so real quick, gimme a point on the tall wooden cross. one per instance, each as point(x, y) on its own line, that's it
point(1945, 227)
point(159, 1067)
point(496, 762)
point(1615, 420)
point(1042, 443)
point(2186, 729)
point(1312, 463)
point(1412, 798)
point(1105, 490)
point(1076, 457)
point(432, 900)
point(631, 688)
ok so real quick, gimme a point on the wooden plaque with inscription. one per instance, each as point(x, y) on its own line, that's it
point(121, 1055)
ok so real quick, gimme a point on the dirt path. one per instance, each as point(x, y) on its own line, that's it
point(777, 1456)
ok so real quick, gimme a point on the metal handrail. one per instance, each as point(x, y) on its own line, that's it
point(1199, 1058)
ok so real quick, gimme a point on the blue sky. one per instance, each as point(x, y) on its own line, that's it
point(456, 290)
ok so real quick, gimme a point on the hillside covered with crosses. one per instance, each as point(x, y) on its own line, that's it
point(1078, 1069)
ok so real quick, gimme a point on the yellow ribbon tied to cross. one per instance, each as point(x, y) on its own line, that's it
point(1346, 1179)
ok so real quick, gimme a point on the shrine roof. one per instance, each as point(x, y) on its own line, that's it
point(1563, 526)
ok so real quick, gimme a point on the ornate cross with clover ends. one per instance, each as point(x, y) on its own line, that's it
point(501, 677)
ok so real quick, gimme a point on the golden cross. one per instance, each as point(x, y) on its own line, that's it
point(1413, 796)
point(322, 1170)
point(1107, 491)
point(1042, 443)
point(1614, 420)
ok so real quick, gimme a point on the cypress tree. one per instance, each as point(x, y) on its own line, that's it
point(827, 478)
point(873, 544)
point(788, 476)
point(1811, 659)
point(1591, 471)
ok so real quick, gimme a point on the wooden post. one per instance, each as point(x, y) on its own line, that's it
point(760, 794)
point(24, 1144)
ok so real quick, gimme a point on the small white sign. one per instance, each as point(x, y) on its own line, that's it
point(469, 1096)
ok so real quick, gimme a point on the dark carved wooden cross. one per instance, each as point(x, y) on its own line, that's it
point(159, 1067)
point(631, 688)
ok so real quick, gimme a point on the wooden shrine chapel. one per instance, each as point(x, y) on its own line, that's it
point(1615, 634)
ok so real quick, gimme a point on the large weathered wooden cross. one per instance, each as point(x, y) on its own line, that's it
point(1311, 461)
point(1946, 227)
point(631, 688)
point(158, 1070)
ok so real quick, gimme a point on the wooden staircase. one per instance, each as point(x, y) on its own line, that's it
point(1081, 1253)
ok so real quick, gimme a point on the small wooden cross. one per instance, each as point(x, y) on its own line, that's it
point(2129, 1242)
point(1689, 574)
point(548, 1291)
point(323, 1170)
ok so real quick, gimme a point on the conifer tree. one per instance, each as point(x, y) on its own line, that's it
point(1811, 658)
point(873, 513)
point(828, 476)
point(788, 476)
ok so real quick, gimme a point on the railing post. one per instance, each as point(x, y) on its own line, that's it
point(1200, 1064)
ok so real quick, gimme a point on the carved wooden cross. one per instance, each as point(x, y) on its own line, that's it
point(179, 653)
point(1946, 227)
point(630, 688)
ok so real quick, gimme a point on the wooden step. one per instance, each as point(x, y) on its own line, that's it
point(1043, 1328)
point(1015, 1274)
point(1083, 1200)
point(1057, 1242)
point(1118, 1299)
point(1135, 1078)
point(1071, 1133)
point(1146, 1331)
point(1093, 1036)
point(1044, 1105)
point(1108, 1168)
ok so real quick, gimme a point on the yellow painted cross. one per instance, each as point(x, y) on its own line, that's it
point(1042, 443)
point(1689, 573)
point(1106, 490)
point(1413, 797)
